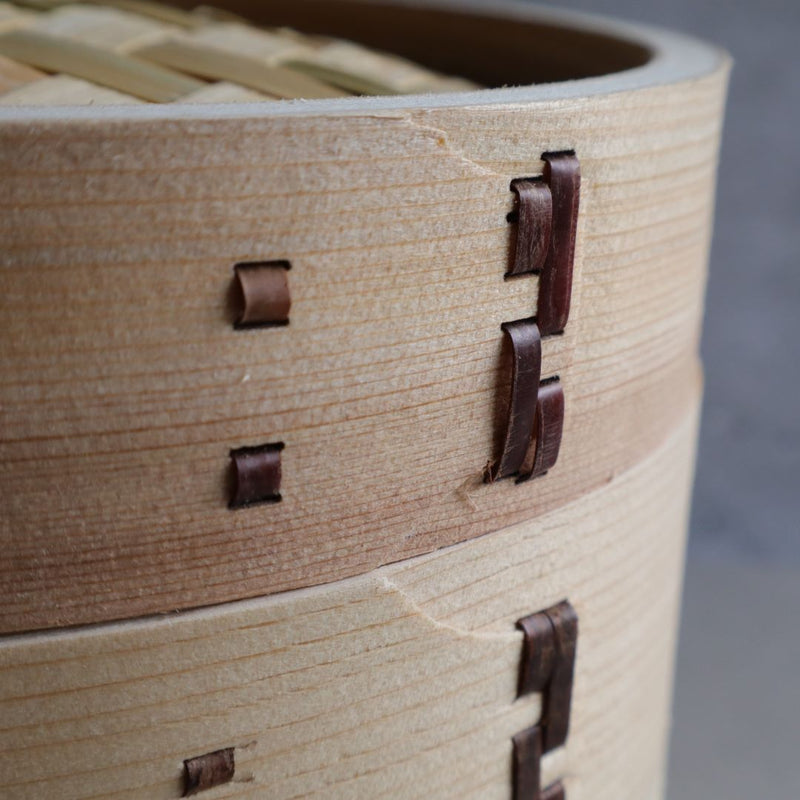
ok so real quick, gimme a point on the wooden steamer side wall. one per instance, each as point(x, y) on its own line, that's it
point(400, 684)
point(387, 662)
point(126, 384)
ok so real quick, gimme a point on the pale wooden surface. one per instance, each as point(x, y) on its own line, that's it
point(124, 385)
point(400, 683)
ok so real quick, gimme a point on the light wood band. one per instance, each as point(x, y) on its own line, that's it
point(400, 684)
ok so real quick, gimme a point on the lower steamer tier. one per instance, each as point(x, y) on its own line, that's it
point(401, 683)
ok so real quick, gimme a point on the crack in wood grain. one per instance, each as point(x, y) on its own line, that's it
point(512, 638)
point(442, 140)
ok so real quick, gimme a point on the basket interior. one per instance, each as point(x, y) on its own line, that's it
point(114, 52)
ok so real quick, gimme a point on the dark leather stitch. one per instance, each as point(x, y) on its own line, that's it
point(206, 771)
point(525, 373)
point(256, 475)
point(264, 299)
point(562, 173)
point(534, 216)
point(547, 666)
point(547, 429)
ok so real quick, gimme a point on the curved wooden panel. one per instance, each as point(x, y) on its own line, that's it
point(402, 683)
point(125, 386)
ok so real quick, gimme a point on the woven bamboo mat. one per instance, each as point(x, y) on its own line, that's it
point(133, 51)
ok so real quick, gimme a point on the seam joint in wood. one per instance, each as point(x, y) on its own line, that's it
point(546, 217)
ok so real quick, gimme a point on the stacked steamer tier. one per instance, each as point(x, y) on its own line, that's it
point(347, 406)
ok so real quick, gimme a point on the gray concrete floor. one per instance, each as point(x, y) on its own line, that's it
point(736, 726)
point(747, 497)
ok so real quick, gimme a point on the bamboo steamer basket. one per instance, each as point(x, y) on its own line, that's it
point(161, 634)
